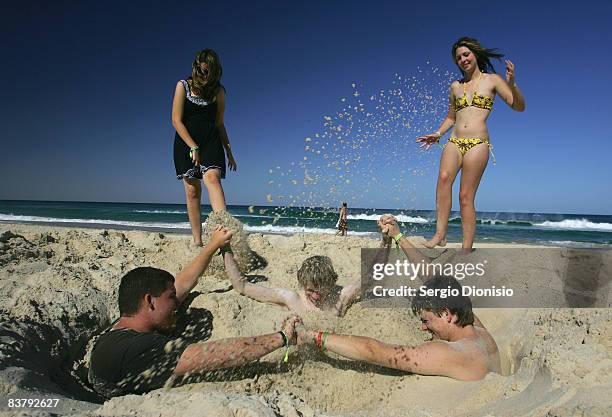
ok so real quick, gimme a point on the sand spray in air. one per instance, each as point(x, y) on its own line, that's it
point(367, 150)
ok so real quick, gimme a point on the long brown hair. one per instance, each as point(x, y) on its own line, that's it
point(202, 86)
point(483, 55)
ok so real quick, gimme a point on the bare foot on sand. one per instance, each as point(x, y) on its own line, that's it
point(436, 240)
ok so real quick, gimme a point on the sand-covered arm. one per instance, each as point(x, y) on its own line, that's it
point(188, 277)
point(348, 295)
point(389, 225)
point(257, 292)
point(228, 353)
point(353, 292)
point(430, 358)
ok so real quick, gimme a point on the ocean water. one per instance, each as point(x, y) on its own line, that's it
point(536, 228)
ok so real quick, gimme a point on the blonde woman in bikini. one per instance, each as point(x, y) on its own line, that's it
point(470, 103)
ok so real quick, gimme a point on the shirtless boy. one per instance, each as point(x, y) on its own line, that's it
point(317, 279)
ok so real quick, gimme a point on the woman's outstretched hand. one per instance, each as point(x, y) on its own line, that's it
point(428, 140)
point(510, 73)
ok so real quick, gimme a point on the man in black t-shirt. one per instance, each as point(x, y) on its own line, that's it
point(136, 355)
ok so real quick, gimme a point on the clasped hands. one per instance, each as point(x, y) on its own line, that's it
point(296, 331)
point(388, 227)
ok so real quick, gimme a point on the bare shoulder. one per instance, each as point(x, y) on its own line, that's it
point(291, 298)
point(455, 88)
point(440, 347)
point(180, 86)
point(438, 357)
point(349, 289)
point(288, 294)
point(463, 359)
point(487, 339)
point(494, 79)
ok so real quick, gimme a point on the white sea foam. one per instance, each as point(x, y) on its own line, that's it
point(182, 226)
point(400, 218)
point(288, 230)
point(37, 219)
point(576, 224)
point(161, 211)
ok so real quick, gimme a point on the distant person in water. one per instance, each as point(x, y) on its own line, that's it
point(317, 279)
point(470, 104)
point(342, 224)
point(461, 347)
point(201, 142)
point(137, 354)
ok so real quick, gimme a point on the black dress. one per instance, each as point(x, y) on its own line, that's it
point(199, 118)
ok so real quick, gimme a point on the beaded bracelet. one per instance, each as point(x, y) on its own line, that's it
point(325, 334)
point(318, 340)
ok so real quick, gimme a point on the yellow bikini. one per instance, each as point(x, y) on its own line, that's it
point(481, 102)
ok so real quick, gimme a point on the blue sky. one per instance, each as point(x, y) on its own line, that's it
point(87, 91)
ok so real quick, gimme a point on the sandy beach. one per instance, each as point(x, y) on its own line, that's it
point(59, 287)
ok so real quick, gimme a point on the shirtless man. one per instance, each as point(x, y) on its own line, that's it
point(461, 347)
point(317, 278)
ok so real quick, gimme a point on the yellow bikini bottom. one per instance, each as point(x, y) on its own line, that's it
point(465, 144)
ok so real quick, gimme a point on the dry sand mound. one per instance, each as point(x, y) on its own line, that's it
point(58, 288)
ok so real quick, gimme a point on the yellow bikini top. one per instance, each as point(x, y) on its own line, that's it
point(480, 101)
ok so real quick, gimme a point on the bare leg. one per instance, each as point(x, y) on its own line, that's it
point(450, 163)
point(193, 193)
point(212, 181)
point(474, 164)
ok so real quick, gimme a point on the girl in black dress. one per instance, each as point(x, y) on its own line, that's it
point(201, 138)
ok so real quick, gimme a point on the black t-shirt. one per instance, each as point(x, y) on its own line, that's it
point(125, 361)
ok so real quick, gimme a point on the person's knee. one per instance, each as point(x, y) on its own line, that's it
point(193, 191)
point(466, 198)
point(445, 177)
point(212, 178)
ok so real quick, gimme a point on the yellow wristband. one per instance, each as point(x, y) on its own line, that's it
point(398, 238)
